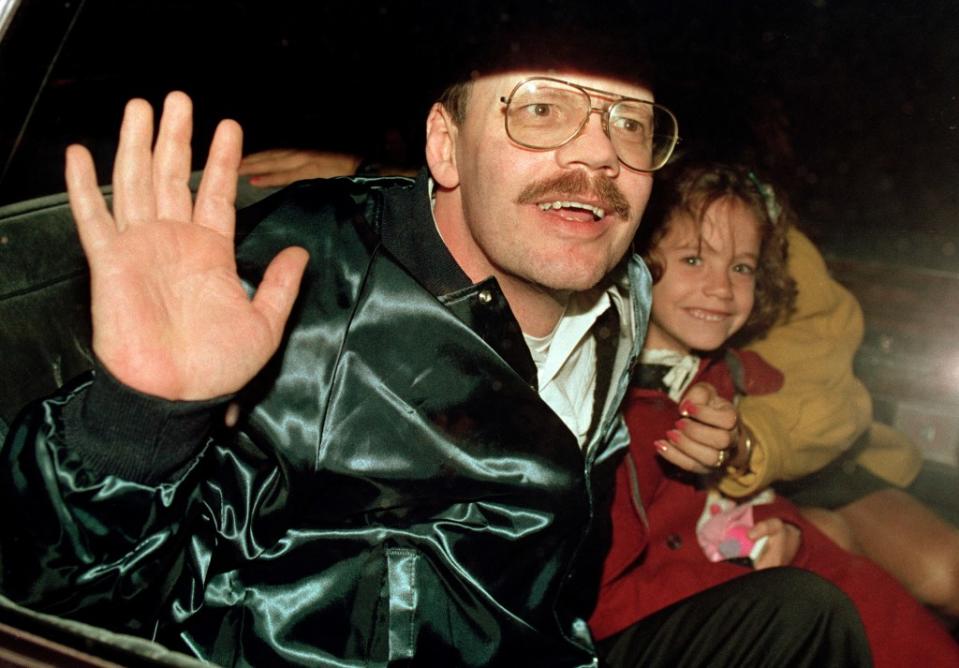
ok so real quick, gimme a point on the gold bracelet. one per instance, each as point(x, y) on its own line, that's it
point(748, 446)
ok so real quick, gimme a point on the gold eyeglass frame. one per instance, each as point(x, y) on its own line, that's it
point(605, 113)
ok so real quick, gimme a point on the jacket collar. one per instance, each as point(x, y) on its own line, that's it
point(409, 233)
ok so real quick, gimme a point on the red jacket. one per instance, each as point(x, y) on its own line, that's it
point(655, 560)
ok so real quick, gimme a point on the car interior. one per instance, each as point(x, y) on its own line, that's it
point(853, 105)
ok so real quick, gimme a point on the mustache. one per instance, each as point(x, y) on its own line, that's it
point(576, 182)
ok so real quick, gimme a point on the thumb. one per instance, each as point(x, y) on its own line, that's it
point(696, 397)
point(762, 528)
point(277, 291)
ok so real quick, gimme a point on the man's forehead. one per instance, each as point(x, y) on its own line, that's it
point(617, 85)
point(612, 43)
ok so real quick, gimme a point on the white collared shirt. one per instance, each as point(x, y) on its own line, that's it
point(566, 358)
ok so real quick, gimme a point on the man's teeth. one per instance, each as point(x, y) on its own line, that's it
point(595, 210)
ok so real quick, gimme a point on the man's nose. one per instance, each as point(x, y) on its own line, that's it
point(591, 148)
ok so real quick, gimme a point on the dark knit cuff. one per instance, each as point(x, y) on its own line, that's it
point(121, 432)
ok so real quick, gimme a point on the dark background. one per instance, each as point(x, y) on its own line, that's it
point(851, 106)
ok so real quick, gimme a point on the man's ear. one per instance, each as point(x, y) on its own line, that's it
point(441, 135)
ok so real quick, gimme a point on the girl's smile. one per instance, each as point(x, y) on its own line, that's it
point(707, 287)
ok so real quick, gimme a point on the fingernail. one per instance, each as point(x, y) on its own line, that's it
point(680, 424)
point(661, 446)
point(687, 408)
point(673, 436)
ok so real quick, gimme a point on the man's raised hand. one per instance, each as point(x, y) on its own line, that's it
point(170, 316)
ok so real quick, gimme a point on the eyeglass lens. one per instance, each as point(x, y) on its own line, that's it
point(546, 114)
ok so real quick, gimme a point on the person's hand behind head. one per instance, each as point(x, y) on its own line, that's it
point(283, 166)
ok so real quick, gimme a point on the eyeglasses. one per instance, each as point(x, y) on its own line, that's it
point(545, 113)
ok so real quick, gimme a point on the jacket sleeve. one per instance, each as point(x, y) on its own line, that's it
point(98, 486)
point(822, 407)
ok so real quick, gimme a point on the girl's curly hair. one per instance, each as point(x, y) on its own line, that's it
point(692, 188)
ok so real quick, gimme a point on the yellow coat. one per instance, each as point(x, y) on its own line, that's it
point(822, 408)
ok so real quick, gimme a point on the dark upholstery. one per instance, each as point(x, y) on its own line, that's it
point(44, 299)
point(44, 302)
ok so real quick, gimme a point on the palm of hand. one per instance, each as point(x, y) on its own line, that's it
point(171, 317)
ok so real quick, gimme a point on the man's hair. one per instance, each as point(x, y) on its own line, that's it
point(692, 188)
point(455, 98)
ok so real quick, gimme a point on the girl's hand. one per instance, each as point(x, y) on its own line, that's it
point(704, 439)
point(782, 545)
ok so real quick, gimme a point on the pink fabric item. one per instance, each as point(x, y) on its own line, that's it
point(725, 532)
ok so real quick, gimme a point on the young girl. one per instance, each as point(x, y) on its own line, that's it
point(716, 245)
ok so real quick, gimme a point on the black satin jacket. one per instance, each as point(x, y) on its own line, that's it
point(396, 492)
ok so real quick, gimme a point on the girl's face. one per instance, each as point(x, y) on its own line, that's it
point(706, 290)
